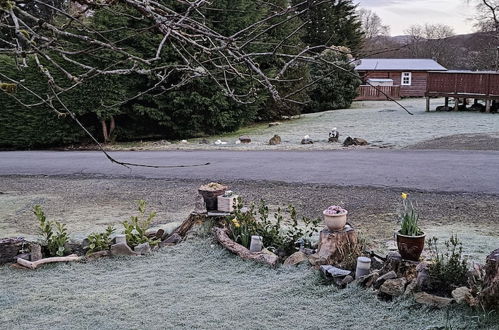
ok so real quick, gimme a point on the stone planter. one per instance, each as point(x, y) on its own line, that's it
point(335, 222)
point(410, 247)
point(210, 198)
point(226, 204)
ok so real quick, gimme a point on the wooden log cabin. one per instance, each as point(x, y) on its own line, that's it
point(408, 77)
point(463, 86)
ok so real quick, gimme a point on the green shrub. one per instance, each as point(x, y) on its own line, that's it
point(275, 234)
point(135, 229)
point(100, 241)
point(54, 239)
point(448, 269)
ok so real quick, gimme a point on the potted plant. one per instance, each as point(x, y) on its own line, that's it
point(335, 217)
point(210, 192)
point(410, 238)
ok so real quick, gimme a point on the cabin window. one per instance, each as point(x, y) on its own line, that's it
point(406, 78)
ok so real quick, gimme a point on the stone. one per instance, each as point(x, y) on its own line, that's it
point(275, 140)
point(432, 300)
point(360, 142)
point(204, 141)
point(172, 239)
point(307, 141)
point(460, 294)
point(199, 205)
point(333, 139)
point(155, 232)
point(394, 287)
point(347, 280)
point(274, 124)
point(354, 142)
point(25, 256)
point(348, 142)
point(296, 258)
point(489, 296)
point(35, 251)
point(98, 255)
point(388, 276)
point(410, 288)
point(122, 249)
point(245, 139)
point(423, 276)
point(10, 248)
point(337, 272)
point(143, 248)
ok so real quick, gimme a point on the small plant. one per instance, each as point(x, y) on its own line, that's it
point(54, 233)
point(276, 236)
point(448, 269)
point(409, 218)
point(100, 241)
point(135, 229)
point(334, 210)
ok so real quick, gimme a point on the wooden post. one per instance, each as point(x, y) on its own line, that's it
point(446, 101)
point(427, 104)
point(456, 104)
point(487, 105)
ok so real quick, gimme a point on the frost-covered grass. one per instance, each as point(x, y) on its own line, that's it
point(198, 285)
point(382, 123)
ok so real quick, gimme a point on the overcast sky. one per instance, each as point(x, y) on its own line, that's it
point(400, 14)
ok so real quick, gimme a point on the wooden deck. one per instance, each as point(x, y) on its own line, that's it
point(463, 85)
point(378, 93)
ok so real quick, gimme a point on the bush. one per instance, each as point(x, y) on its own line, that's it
point(337, 82)
point(135, 230)
point(54, 233)
point(448, 269)
point(100, 241)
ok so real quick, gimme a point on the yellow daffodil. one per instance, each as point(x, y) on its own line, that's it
point(404, 195)
point(237, 225)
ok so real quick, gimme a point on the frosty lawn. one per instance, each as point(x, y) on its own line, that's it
point(198, 285)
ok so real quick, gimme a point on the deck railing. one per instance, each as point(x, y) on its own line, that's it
point(468, 83)
point(367, 93)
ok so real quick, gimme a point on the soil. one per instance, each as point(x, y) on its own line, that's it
point(90, 203)
point(461, 142)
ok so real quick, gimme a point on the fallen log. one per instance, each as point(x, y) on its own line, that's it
point(35, 264)
point(223, 238)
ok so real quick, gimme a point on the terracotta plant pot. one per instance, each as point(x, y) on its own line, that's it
point(335, 222)
point(210, 198)
point(410, 247)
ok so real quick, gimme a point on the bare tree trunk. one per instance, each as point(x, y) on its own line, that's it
point(105, 133)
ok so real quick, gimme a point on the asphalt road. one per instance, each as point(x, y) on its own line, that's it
point(430, 170)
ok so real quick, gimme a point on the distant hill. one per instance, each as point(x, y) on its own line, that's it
point(474, 51)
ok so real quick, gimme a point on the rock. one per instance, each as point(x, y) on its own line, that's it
point(296, 258)
point(35, 251)
point(245, 139)
point(121, 238)
point(274, 124)
point(333, 139)
point(172, 239)
point(122, 249)
point(336, 272)
point(204, 141)
point(431, 300)
point(307, 141)
point(410, 288)
point(388, 276)
point(348, 142)
point(368, 280)
point(347, 280)
point(275, 140)
point(155, 232)
point(143, 248)
point(10, 248)
point(423, 276)
point(354, 142)
point(24, 256)
point(394, 287)
point(98, 255)
point(489, 296)
point(184, 142)
point(360, 142)
point(460, 294)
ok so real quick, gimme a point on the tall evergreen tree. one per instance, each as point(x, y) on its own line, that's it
point(333, 23)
